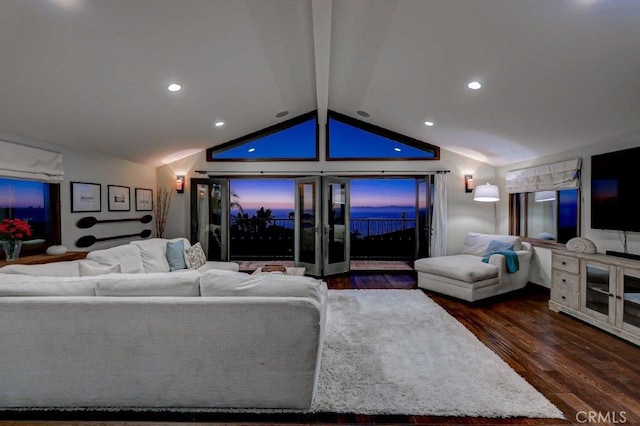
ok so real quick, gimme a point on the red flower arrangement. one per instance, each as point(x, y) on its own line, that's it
point(14, 229)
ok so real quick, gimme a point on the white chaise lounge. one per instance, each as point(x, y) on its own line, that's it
point(465, 275)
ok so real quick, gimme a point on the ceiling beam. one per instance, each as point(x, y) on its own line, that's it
point(321, 11)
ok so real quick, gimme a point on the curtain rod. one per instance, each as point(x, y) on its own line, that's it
point(319, 172)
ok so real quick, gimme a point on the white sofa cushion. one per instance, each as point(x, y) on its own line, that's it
point(216, 283)
point(128, 255)
point(154, 253)
point(150, 284)
point(462, 267)
point(54, 269)
point(89, 269)
point(12, 285)
point(212, 264)
point(476, 244)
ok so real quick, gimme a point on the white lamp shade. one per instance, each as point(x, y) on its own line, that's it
point(486, 193)
point(545, 196)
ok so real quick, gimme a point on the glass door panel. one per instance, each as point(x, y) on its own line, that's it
point(598, 298)
point(422, 218)
point(336, 235)
point(210, 217)
point(307, 250)
point(631, 300)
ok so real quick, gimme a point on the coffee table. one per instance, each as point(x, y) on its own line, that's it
point(289, 270)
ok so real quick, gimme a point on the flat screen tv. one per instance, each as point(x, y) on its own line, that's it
point(615, 190)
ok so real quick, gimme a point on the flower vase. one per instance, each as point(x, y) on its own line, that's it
point(12, 249)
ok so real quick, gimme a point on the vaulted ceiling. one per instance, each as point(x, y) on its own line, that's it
point(93, 74)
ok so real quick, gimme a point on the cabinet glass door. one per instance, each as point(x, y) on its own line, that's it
point(630, 299)
point(598, 300)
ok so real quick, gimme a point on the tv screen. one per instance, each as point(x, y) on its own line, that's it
point(614, 190)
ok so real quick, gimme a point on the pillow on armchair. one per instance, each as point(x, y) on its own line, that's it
point(476, 244)
point(495, 246)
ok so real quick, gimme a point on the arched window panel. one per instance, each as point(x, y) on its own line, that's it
point(294, 140)
point(351, 139)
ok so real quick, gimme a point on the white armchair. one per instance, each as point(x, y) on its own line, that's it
point(466, 276)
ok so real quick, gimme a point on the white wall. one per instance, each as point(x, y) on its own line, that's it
point(604, 240)
point(85, 166)
point(464, 214)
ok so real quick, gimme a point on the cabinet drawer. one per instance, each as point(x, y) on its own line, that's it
point(565, 297)
point(565, 280)
point(565, 263)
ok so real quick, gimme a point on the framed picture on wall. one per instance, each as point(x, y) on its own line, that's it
point(119, 198)
point(144, 200)
point(85, 197)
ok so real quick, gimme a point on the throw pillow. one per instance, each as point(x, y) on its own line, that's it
point(87, 270)
point(194, 256)
point(175, 255)
point(495, 246)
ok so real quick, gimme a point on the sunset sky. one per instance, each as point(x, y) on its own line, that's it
point(279, 193)
point(21, 193)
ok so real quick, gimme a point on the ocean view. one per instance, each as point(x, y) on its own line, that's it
point(383, 212)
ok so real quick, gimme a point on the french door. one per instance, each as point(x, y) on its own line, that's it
point(423, 217)
point(210, 216)
point(322, 236)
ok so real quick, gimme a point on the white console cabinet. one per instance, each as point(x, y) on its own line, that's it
point(601, 290)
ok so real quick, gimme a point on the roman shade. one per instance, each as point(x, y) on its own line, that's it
point(25, 162)
point(549, 177)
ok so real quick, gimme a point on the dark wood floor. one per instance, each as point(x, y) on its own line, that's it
point(582, 370)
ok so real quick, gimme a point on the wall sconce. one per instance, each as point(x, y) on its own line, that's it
point(468, 183)
point(180, 184)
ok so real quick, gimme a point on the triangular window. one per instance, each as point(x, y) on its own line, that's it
point(351, 139)
point(293, 140)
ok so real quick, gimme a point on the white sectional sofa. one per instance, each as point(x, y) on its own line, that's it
point(213, 338)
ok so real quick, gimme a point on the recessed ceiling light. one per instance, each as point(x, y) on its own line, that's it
point(282, 114)
point(173, 87)
point(218, 123)
point(362, 113)
point(428, 123)
point(251, 149)
point(474, 85)
point(396, 149)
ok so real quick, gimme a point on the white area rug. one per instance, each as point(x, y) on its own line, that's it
point(398, 352)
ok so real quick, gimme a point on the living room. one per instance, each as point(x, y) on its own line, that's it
point(89, 80)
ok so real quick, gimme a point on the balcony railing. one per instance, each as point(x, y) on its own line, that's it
point(258, 238)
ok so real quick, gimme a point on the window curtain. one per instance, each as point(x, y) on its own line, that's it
point(439, 226)
point(203, 216)
point(549, 177)
point(24, 162)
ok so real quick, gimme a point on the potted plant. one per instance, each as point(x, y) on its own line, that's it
point(12, 232)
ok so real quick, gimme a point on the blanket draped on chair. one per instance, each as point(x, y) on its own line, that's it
point(510, 256)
